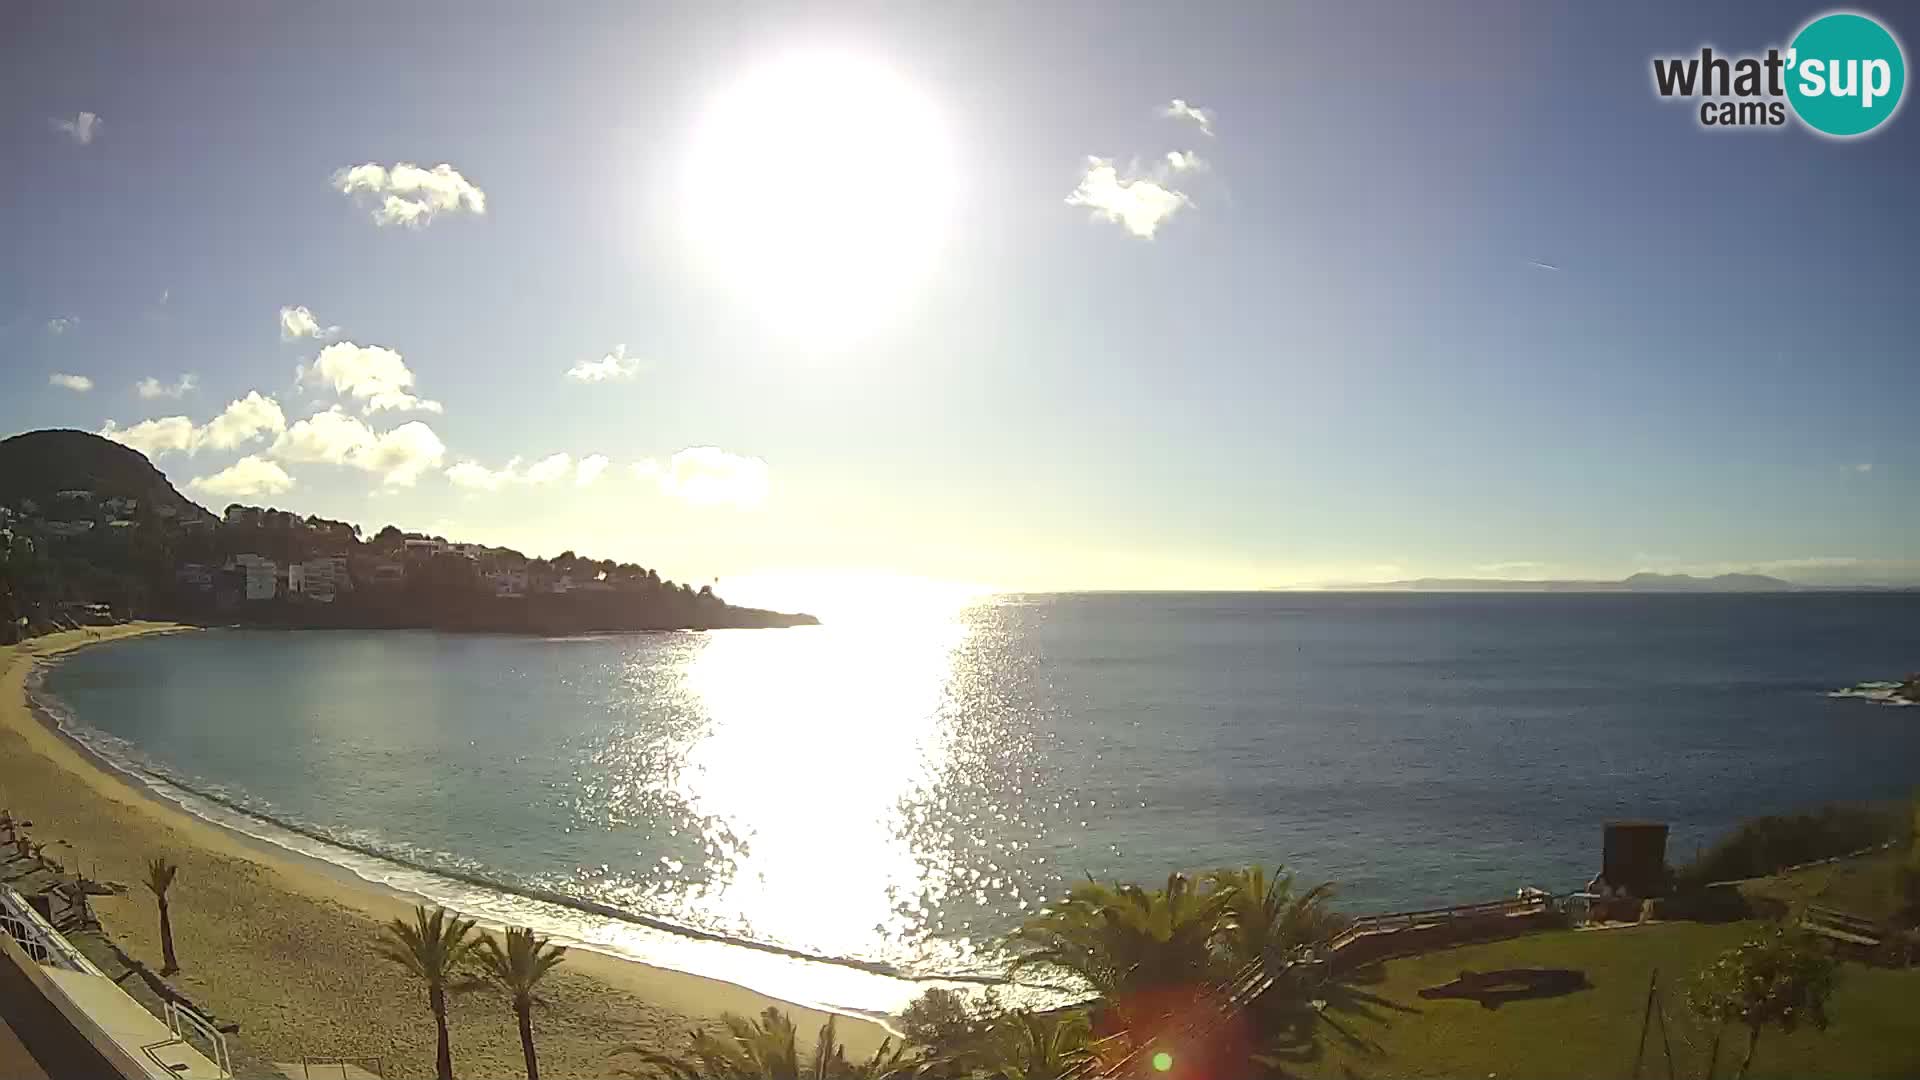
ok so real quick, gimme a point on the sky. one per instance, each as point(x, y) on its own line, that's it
point(1031, 296)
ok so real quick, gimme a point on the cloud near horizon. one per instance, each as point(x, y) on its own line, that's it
point(615, 365)
point(375, 375)
point(473, 476)
point(710, 476)
point(151, 387)
point(297, 322)
point(242, 421)
point(412, 196)
point(79, 384)
point(333, 436)
point(1138, 205)
point(251, 475)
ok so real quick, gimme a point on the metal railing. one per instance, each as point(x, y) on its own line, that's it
point(1407, 920)
point(37, 938)
point(185, 1023)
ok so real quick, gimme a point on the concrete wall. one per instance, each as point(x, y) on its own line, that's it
point(58, 1035)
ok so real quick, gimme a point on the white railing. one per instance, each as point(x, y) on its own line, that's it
point(185, 1023)
point(37, 937)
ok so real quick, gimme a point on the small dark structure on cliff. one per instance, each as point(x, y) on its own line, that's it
point(1634, 858)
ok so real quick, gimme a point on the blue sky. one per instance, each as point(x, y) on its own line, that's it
point(1340, 357)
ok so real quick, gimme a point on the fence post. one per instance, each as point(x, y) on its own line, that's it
point(1646, 1018)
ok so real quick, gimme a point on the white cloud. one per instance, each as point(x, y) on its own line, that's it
point(241, 422)
point(61, 324)
point(710, 476)
point(298, 322)
point(1865, 466)
point(1140, 206)
point(79, 384)
point(83, 128)
point(589, 469)
point(615, 365)
point(244, 421)
point(477, 477)
point(335, 437)
point(412, 195)
point(372, 373)
point(151, 387)
point(155, 437)
point(1539, 265)
point(1180, 110)
point(1185, 161)
point(550, 468)
point(251, 475)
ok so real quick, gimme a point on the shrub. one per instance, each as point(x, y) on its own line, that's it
point(1764, 845)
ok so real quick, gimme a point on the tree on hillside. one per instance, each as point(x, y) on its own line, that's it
point(1776, 981)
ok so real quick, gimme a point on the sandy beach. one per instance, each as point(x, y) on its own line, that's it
point(288, 948)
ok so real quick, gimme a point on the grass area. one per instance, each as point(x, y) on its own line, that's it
point(1390, 1031)
point(1863, 886)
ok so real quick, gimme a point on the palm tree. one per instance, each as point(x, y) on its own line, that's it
point(160, 874)
point(1030, 1046)
point(434, 947)
point(767, 1049)
point(1266, 920)
point(517, 968)
point(1123, 940)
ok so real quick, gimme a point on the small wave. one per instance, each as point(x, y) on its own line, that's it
point(382, 861)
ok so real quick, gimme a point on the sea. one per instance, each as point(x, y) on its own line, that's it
point(843, 815)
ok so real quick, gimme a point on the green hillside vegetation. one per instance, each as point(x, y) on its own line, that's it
point(91, 531)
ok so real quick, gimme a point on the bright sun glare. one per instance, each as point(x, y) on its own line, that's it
point(818, 187)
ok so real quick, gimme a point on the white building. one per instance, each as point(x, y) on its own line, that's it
point(262, 575)
point(322, 577)
point(508, 581)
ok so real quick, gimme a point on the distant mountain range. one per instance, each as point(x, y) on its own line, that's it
point(1641, 582)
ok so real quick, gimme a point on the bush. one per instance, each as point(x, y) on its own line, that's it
point(1765, 845)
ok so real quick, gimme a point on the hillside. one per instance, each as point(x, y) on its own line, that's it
point(39, 464)
point(1641, 582)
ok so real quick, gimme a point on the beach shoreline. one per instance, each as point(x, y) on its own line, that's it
point(249, 914)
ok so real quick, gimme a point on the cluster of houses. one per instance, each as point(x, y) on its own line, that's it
point(384, 564)
point(76, 512)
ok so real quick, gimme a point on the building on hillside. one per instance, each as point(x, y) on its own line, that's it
point(120, 507)
point(321, 577)
point(424, 547)
point(243, 515)
point(384, 574)
point(293, 579)
point(507, 581)
point(76, 494)
point(67, 528)
point(262, 575)
point(194, 577)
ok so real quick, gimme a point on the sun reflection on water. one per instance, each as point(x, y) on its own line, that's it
point(821, 751)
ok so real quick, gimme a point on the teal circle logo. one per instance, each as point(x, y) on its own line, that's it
point(1845, 73)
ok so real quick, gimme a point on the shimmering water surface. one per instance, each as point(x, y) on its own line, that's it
point(900, 791)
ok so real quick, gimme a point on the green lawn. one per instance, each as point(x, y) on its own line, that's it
point(1390, 1031)
point(1862, 886)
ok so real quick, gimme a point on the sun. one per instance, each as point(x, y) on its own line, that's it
point(818, 188)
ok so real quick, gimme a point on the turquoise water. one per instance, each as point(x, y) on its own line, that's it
point(899, 793)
